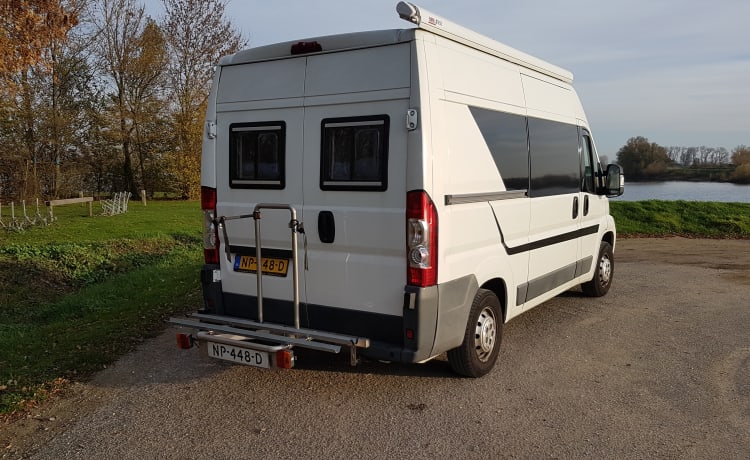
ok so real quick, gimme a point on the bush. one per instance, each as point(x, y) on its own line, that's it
point(741, 175)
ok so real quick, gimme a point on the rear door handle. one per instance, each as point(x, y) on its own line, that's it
point(575, 207)
point(326, 227)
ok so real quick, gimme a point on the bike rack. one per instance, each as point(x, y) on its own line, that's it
point(295, 226)
point(269, 336)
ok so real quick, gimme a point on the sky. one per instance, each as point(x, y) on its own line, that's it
point(674, 71)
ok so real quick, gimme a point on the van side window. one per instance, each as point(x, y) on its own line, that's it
point(505, 136)
point(555, 165)
point(256, 155)
point(589, 171)
point(354, 153)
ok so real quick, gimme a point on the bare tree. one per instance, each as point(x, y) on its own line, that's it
point(198, 34)
point(131, 54)
point(675, 153)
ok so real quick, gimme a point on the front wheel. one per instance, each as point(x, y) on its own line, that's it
point(477, 354)
point(605, 269)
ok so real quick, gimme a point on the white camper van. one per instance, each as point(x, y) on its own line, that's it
point(404, 193)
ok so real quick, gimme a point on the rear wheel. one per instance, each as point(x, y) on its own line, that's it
point(477, 354)
point(605, 268)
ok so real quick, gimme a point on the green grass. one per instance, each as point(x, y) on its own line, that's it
point(684, 218)
point(83, 291)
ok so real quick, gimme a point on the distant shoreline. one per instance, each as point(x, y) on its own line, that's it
point(679, 179)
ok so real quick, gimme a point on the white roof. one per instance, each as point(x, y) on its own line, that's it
point(328, 43)
point(424, 20)
point(431, 22)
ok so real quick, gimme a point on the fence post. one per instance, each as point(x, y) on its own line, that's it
point(143, 197)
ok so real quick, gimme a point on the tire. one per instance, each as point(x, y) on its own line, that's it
point(477, 354)
point(603, 273)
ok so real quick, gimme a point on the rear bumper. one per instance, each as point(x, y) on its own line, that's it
point(433, 319)
point(267, 337)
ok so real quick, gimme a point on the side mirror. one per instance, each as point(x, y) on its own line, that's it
point(615, 181)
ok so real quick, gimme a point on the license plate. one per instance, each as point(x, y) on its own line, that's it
point(239, 355)
point(271, 265)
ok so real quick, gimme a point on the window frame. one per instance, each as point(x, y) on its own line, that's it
point(235, 181)
point(588, 153)
point(328, 184)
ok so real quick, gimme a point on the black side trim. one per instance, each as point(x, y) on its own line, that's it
point(545, 283)
point(267, 252)
point(553, 240)
point(550, 281)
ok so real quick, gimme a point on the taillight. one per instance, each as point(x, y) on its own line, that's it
point(421, 239)
point(285, 359)
point(210, 235)
point(184, 341)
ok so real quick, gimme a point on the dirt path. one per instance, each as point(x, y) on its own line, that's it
point(660, 367)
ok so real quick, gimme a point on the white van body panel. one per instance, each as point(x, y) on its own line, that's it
point(512, 216)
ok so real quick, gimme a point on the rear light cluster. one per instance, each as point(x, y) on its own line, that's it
point(210, 232)
point(421, 239)
point(285, 359)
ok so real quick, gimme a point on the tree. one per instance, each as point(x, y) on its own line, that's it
point(27, 28)
point(741, 155)
point(132, 55)
point(38, 99)
point(640, 157)
point(198, 35)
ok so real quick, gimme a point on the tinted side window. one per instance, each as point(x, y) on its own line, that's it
point(555, 165)
point(256, 155)
point(505, 135)
point(354, 153)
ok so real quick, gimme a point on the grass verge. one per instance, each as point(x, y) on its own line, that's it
point(80, 293)
point(681, 218)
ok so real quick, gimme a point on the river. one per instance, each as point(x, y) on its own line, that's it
point(688, 191)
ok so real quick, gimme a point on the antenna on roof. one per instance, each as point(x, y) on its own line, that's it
point(408, 12)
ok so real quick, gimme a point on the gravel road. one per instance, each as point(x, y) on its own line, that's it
point(659, 368)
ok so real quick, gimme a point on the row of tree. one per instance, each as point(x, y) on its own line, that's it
point(96, 95)
point(641, 158)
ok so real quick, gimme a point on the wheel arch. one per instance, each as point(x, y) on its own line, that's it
point(498, 287)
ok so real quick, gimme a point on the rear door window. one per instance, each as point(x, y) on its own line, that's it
point(354, 153)
point(256, 155)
